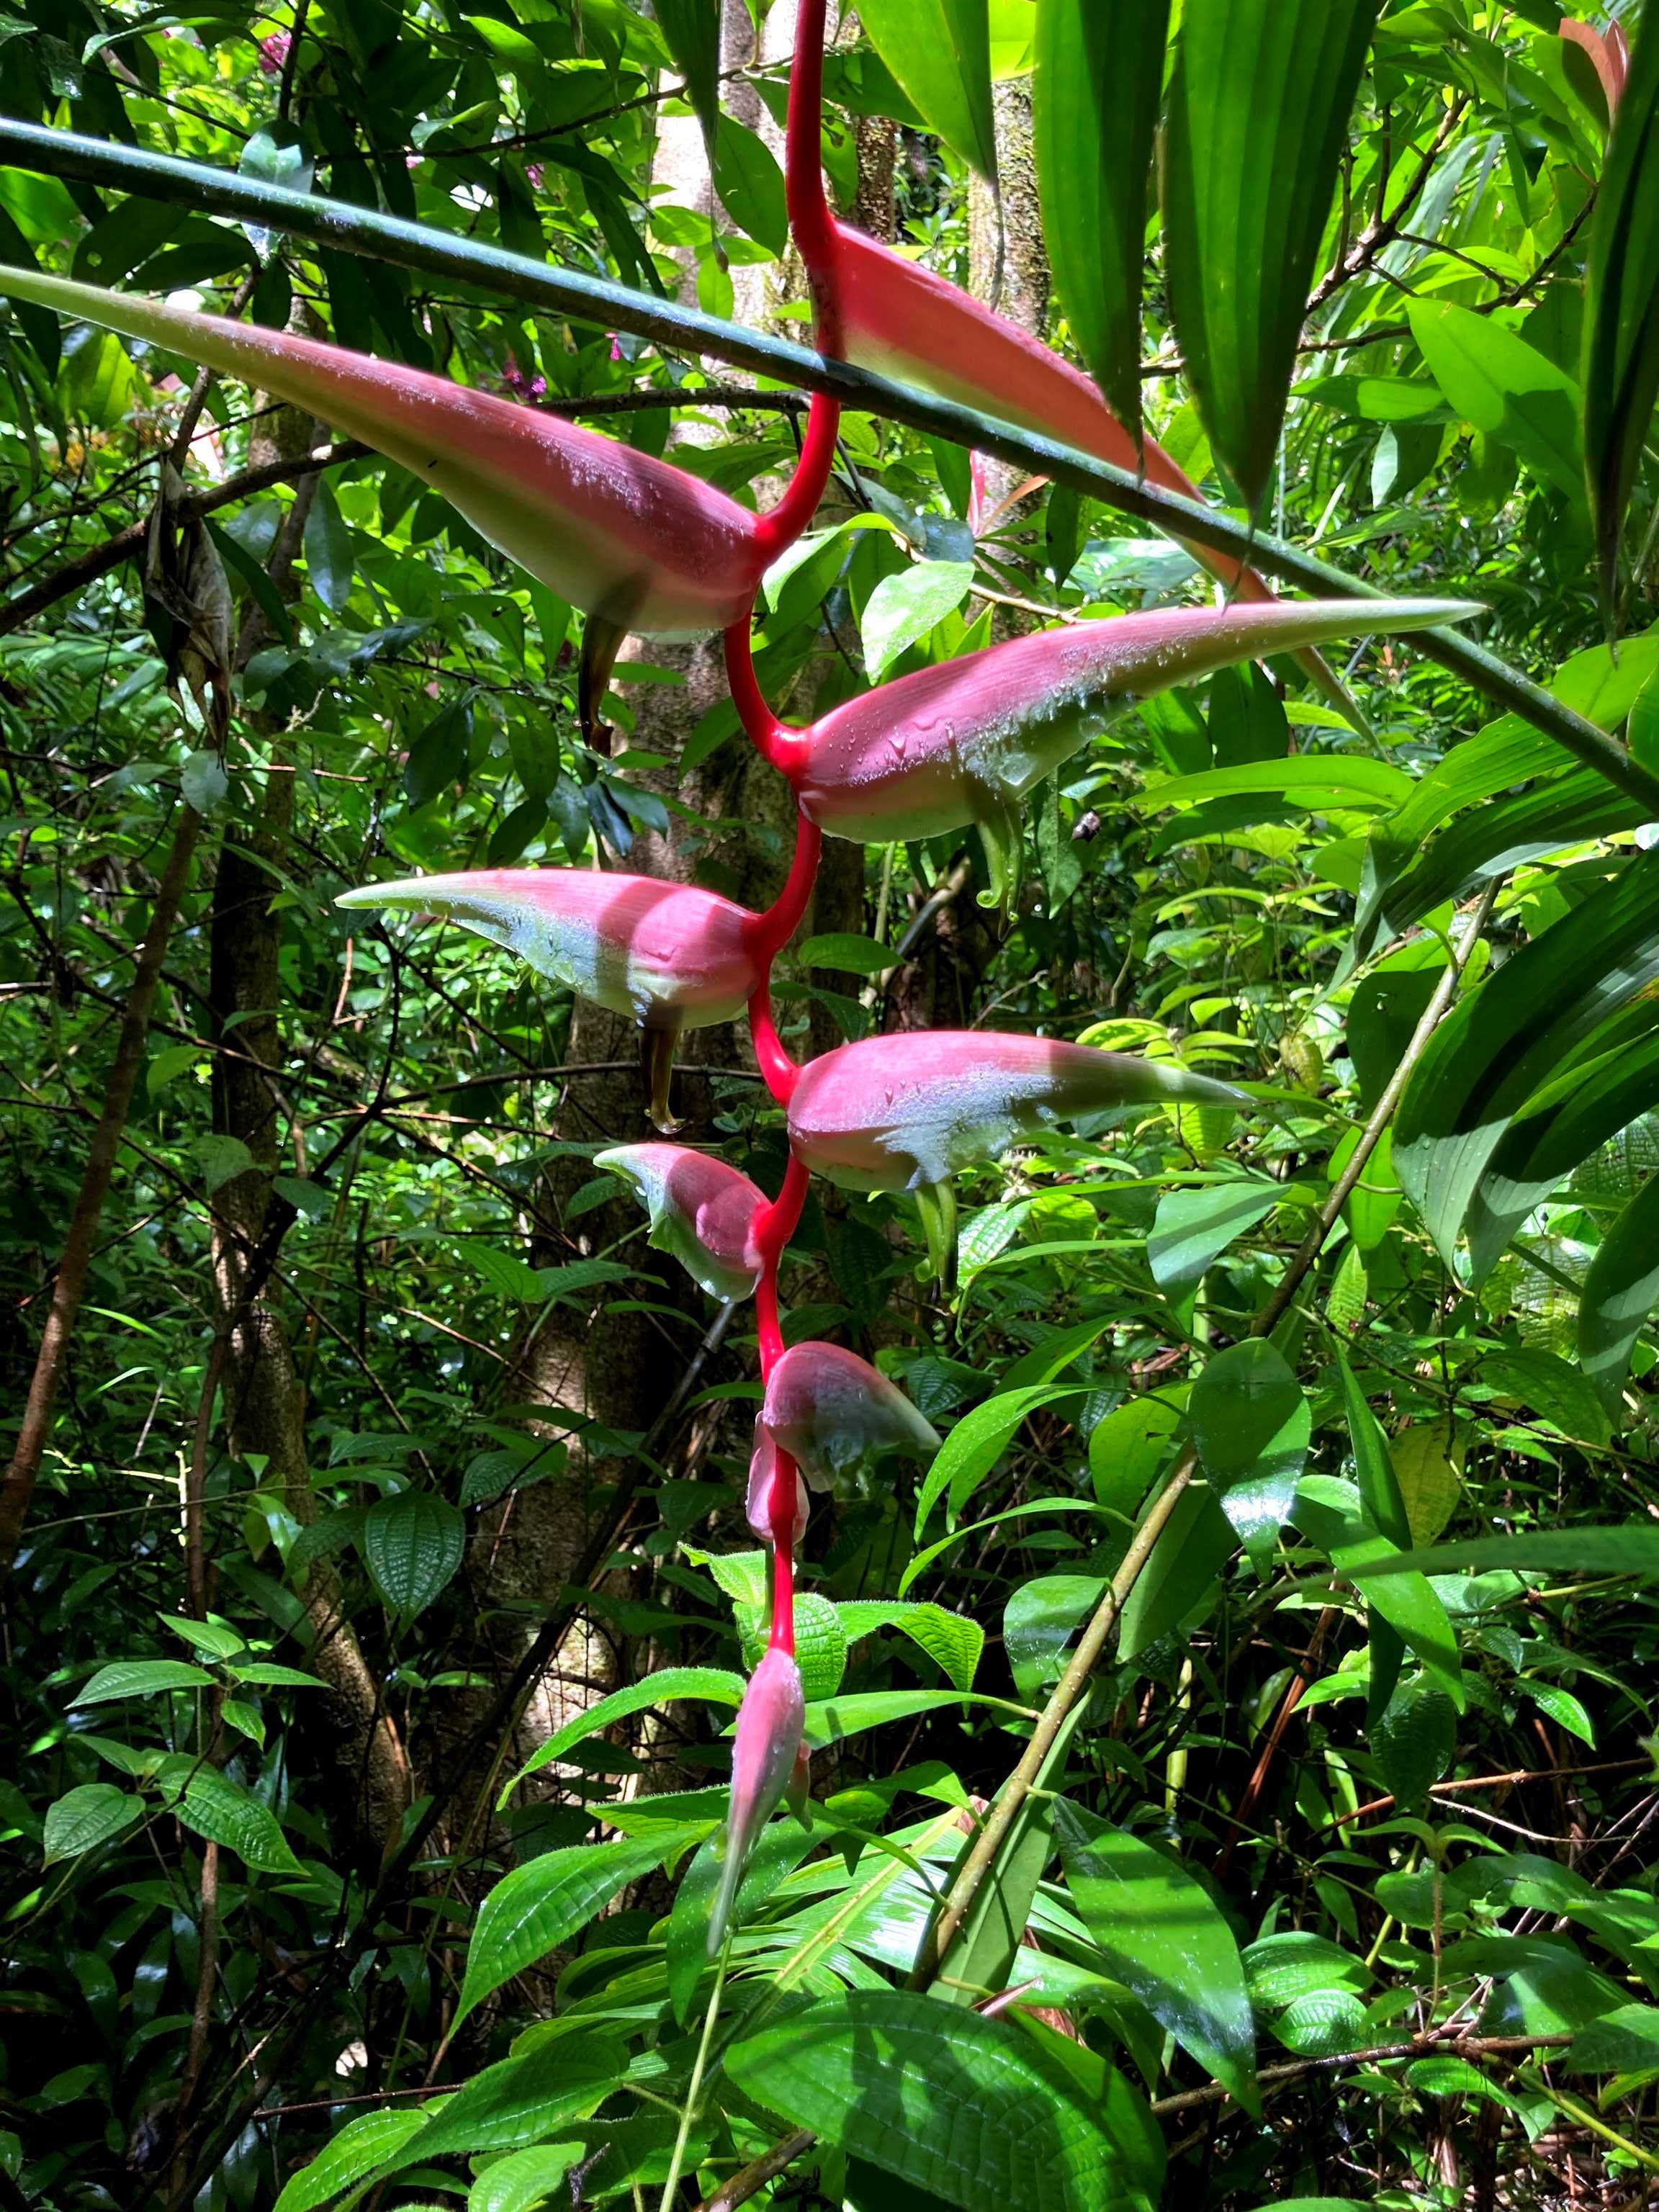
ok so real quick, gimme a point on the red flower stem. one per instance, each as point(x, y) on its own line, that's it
point(770, 931)
point(775, 741)
point(779, 1071)
point(778, 530)
point(810, 223)
point(773, 1231)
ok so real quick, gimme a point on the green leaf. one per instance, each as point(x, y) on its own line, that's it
point(86, 1817)
point(1312, 779)
point(1040, 1620)
point(518, 2102)
point(1620, 1292)
point(939, 52)
point(1505, 387)
point(778, 1850)
point(981, 1959)
point(1504, 1038)
point(1379, 1488)
point(141, 1677)
point(1564, 1709)
point(1161, 1935)
point(1555, 1388)
point(1621, 347)
point(902, 609)
point(1055, 1353)
point(951, 1638)
point(438, 757)
point(1248, 720)
point(1623, 2042)
point(1195, 1544)
point(977, 1443)
point(361, 2147)
point(535, 1907)
point(820, 1641)
point(413, 1542)
point(969, 2109)
point(1252, 1426)
point(1631, 1548)
point(1428, 1479)
point(329, 556)
point(1414, 1738)
point(1098, 87)
point(213, 1805)
point(751, 185)
point(843, 949)
point(1128, 1448)
point(528, 2180)
point(1612, 1080)
point(713, 1683)
point(1258, 119)
point(1194, 1227)
point(691, 31)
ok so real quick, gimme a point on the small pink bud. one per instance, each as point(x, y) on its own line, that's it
point(762, 1493)
point(702, 1211)
point(906, 1111)
point(273, 53)
point(770, 1721)
point(835, 1415)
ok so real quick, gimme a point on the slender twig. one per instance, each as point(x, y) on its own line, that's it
point(693, 2086)
point(669, 323)
point(69, 1286)
point(1462, 2046)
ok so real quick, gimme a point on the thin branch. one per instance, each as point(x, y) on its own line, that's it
point(668, 323)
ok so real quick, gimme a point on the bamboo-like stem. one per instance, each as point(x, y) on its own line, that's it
point(606, 306)
point(1075, 1679)
point(693, 2086)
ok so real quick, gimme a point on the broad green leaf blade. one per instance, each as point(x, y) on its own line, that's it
point(951, 1638)
point(1380, 1494)
point(717, 1684)
point(1630, 1549)
point(1314, 780)
point(1040, 1620)
point(521, 2102)
point(85, 1818)
point(1252, 1426)
point(967, 2108)
point(903, 608)
point(532, 1909)
point(1194, 1227)
point(1163, 1936)
point(1621, 335)
point(1602, 1088)
point(978, 1442)
point(691, 31)
point(361, 2147)
point(1414, 1738)
point(1186, 1564)
point(1098, 86)
point(1258, 112)
point(413, 1542)
point(1505, 387)
point(1618, 1294)
point(941, 53)
point(213, 1805)
point(141, 1677)
point(1508, 1036)
point(526, 2180)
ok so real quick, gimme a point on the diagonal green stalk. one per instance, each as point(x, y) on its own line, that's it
point(693, 2086)
point(591, 299)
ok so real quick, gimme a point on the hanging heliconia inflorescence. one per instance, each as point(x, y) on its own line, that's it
point(638, 544)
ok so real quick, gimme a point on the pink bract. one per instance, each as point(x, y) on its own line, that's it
point(908, 1111)
point(760, 1499)
point(968, 740)
point(835, 1415)
point(702, 1212)
point(619, 534)
point(670, 956)
point(770, 1722)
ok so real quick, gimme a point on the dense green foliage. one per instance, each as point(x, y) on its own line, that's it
point(1336, 1885)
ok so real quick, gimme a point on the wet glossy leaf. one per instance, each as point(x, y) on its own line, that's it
point(1247, 183)
point(940, 52)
